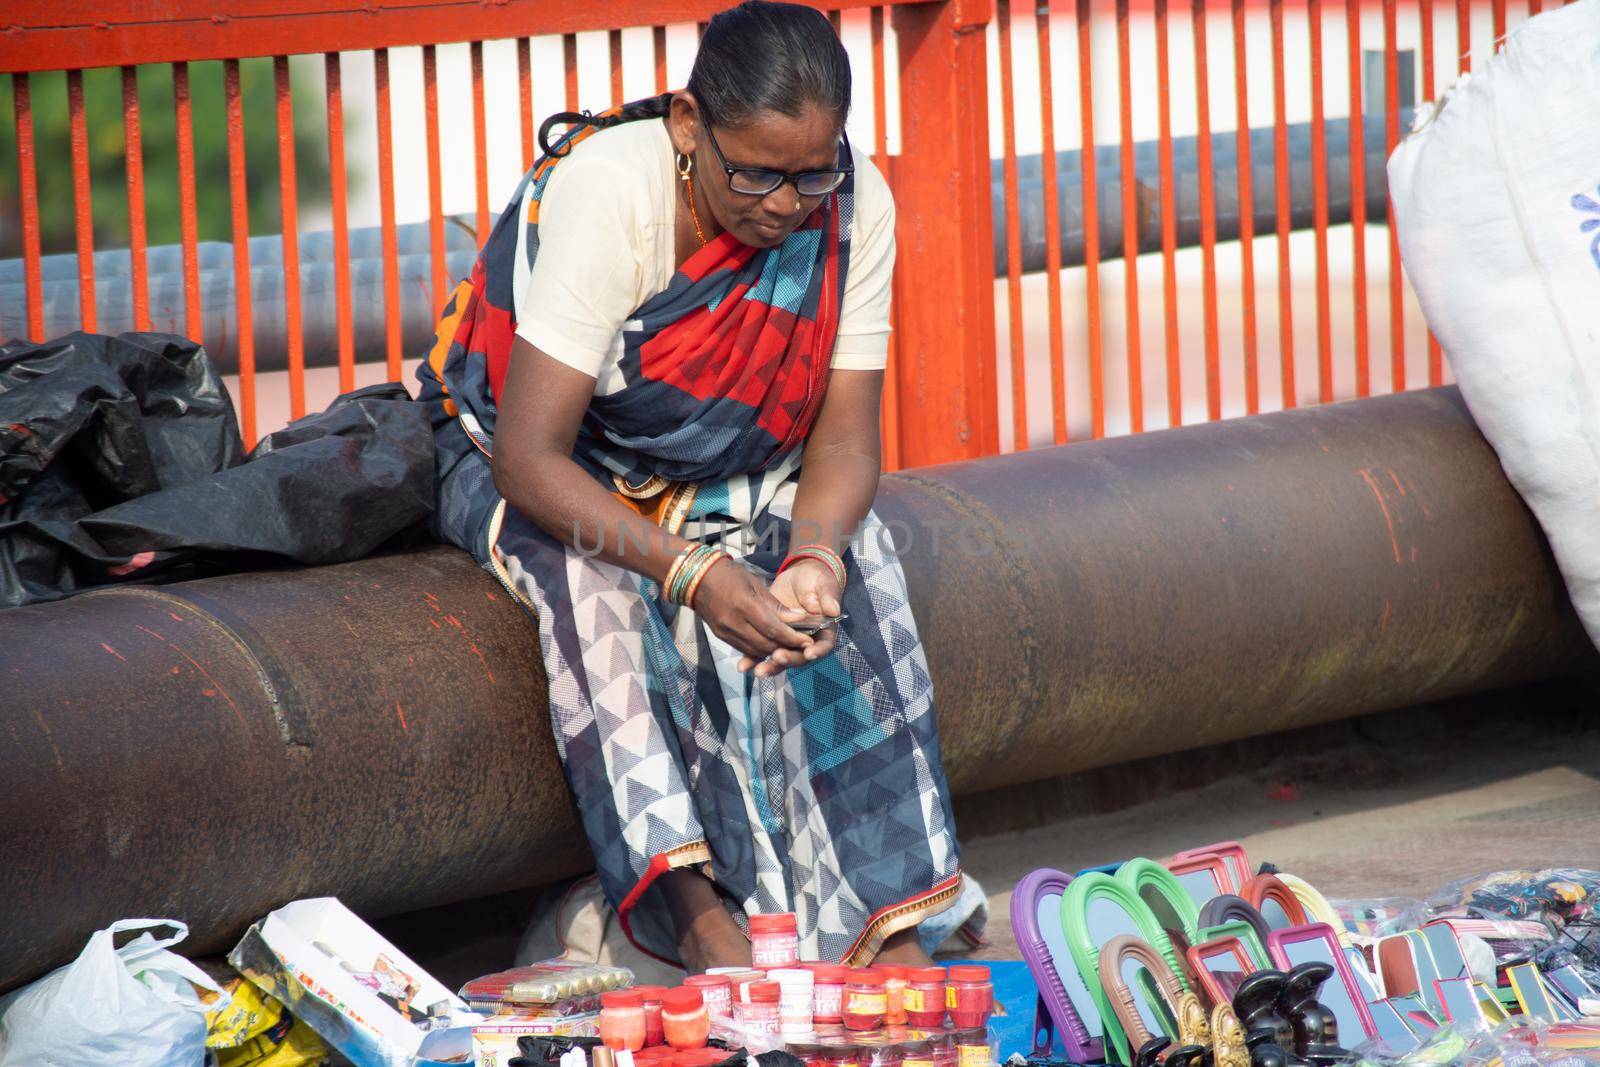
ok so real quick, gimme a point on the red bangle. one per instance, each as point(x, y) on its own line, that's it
point(821, 553)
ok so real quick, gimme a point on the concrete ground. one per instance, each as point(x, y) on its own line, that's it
point(1401, 805)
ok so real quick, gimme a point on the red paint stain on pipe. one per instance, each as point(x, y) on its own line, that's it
point(51, 741)
point(175, 616)
point(453, 621)
point(1383, 506)
point(113, 651)
point(1383, 623)
point(400, 713)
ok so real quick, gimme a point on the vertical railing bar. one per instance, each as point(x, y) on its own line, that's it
point(83, 211)
point(836, 17)
point(1090, 193)
point(183, 126)
point(1280, 174)
point(133, 156)
point(28, 188)
point(1498, 7)
point(525, 100)
point(1169, 221)
point(1535, 7)
point(1319, 196)
point(1208, 214)
point(239, 204)
point(430, 108)
point(658, 50)
point(1391, 138)
point(1358, 201)
point(1130, 220)
point(1425, 13)
point(1008, 121)
point(1463, 36)
point(569, 62)
point(391, 249)
point(615, 41)
point(339, 195)
point(889, 406)
point(1052, 224)
point(480, 143)
point(291, 241)
point(1247, 212)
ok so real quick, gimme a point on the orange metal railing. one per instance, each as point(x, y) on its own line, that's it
point(944, 399)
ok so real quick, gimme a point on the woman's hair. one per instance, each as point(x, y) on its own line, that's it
point(758, 57)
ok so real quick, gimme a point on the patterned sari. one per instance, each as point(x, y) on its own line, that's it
point(820, 791)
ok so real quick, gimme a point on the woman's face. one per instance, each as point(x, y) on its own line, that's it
point(768, 141)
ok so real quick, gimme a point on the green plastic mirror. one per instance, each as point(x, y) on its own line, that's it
point(1170, 904)
point(1094, 909)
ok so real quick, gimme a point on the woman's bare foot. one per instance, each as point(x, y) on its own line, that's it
point(904, 950)
point(707, 935)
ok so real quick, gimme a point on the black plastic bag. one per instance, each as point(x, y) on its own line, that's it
point(120, 459)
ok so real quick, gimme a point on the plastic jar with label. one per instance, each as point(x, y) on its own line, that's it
point(943, 1045)
point(969, 996)
point(684, 1020)
point(841, 1055)
point(972, 1047)
point(887, 1055)
point(652, 1013)
point(916, 1054)
point(827, 992)
point(894, 987)
point(761, 1011)
point(717, 992)
point(924, 997)
point(865, 1001)
point(807, 1052)
point(774, 941)
point(795, 999)
point(622, 1019)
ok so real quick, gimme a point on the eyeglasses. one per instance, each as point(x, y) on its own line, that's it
point(758, 181)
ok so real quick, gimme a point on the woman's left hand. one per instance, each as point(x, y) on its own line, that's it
point(808, 586)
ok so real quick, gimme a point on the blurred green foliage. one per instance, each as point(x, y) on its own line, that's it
point(102, 93)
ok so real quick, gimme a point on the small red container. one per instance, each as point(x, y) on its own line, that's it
point(970, 997)
point(760, 1012)
point(865, 1001)
point(972, 1046)
point(652, 1014)
point(924, 997)
point(684, 1019)
point(717, 991)
point(774, 941)
point(827, 992)
point(622, 1023)
point(894, 988)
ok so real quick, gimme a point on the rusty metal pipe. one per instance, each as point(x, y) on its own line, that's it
point(377, 730)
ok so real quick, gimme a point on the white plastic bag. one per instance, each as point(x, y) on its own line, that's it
point(133, 1006)
point(1497, 200)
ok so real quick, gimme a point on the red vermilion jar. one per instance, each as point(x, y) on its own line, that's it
point(652, 1013)
point(827, 992)
point(761, 1011)
point(943, 1046)
point(622, 1019)
point(916, 1054)
point(807, 1052)
point(684, 1020)
point(894, 987)
point(774, 941)
point(865, 1001)
point(970, 997)
point(841, 1056)
point(972, 1047)
point(717, 992)
point(924, 997)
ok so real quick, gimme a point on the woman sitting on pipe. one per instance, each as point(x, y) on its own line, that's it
point(656, 408)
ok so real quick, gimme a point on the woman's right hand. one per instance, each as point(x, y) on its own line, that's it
point(739, 607)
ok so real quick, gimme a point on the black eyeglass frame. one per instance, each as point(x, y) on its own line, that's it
point(841, 173)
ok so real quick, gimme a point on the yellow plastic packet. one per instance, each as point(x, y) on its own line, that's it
point(299, 1047)
point(247, 1014)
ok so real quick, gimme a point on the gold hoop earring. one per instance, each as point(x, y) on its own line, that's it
point(685, 165)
